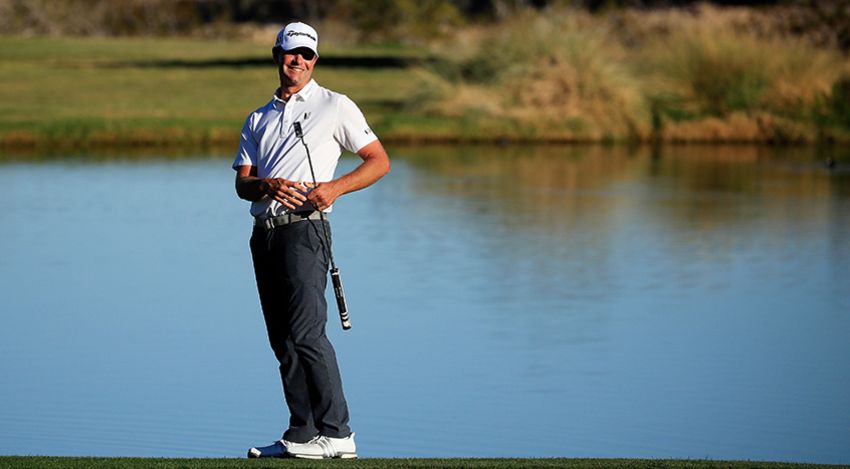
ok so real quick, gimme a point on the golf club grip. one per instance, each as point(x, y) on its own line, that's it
point(339, 293)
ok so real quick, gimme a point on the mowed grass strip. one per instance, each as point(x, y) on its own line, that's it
point(14, 462)
point(89, 91)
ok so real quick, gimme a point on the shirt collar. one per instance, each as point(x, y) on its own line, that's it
point(305, 92)
point(302, 95)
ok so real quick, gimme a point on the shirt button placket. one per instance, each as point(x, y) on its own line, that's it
point(287, 117)
point(281, 115)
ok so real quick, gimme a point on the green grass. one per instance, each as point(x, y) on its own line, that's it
point(96, 91)
point(132, 463)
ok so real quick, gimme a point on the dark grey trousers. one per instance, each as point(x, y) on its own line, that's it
point(291, 267)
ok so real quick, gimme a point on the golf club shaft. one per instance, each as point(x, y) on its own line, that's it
point(339, 293)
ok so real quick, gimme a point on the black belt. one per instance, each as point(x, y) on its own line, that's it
point(287, 218)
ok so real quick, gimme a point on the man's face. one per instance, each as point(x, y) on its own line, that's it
point(296, 66)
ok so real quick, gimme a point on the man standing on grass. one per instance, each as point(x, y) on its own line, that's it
point(287, 245)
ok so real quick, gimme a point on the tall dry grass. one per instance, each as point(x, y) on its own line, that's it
point(705, 67)
point(703, 73)
point(542, 76)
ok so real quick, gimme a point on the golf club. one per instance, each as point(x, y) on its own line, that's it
point(339, 293)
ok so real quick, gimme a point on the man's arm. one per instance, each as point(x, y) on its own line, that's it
point(252, 188)
point(376, 163)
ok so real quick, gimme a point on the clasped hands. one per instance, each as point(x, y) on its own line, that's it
point(294, 194)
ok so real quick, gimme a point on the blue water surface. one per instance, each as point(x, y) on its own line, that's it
point(686, 302)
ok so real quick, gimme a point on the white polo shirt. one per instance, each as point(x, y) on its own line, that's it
point(330, 123)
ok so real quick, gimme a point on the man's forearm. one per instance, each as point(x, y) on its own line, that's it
point(375, 165)
point(364, 175)
point(250, 188)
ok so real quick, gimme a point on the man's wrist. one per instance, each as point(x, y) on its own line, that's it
point(264, 187)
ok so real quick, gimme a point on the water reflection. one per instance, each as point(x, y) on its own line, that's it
point(563, 301)
point(578, 202)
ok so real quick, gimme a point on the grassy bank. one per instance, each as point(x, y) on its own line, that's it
point(74, 92)
point(560, 75)
point(132, 463)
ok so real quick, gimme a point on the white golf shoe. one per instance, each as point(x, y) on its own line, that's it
point(323, 447)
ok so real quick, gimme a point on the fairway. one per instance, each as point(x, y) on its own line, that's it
point(139, 91)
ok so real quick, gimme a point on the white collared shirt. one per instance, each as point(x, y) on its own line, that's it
point(330, 123)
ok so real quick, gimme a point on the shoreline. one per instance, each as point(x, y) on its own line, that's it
point(150, 139)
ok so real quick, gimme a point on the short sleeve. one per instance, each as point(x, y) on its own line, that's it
point(247, 154)
point(353, 132)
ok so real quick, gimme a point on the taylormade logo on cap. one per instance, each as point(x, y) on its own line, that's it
point(296, 35)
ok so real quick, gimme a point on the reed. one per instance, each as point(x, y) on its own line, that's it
point(558, 76)
point(704, 74)
point(708, 77)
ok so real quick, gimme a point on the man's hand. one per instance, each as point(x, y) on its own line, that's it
point(376, 163)
point(289, 193)
point(321, 195)
point(250, 187)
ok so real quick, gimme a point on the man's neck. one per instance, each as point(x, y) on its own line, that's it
point(286, 92)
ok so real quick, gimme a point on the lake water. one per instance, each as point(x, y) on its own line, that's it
point(686, 302)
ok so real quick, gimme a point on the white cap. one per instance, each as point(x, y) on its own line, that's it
point(296, 35)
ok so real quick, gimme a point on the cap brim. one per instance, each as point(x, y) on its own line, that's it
point(302, 47)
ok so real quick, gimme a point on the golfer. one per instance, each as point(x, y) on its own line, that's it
point(288, 245)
